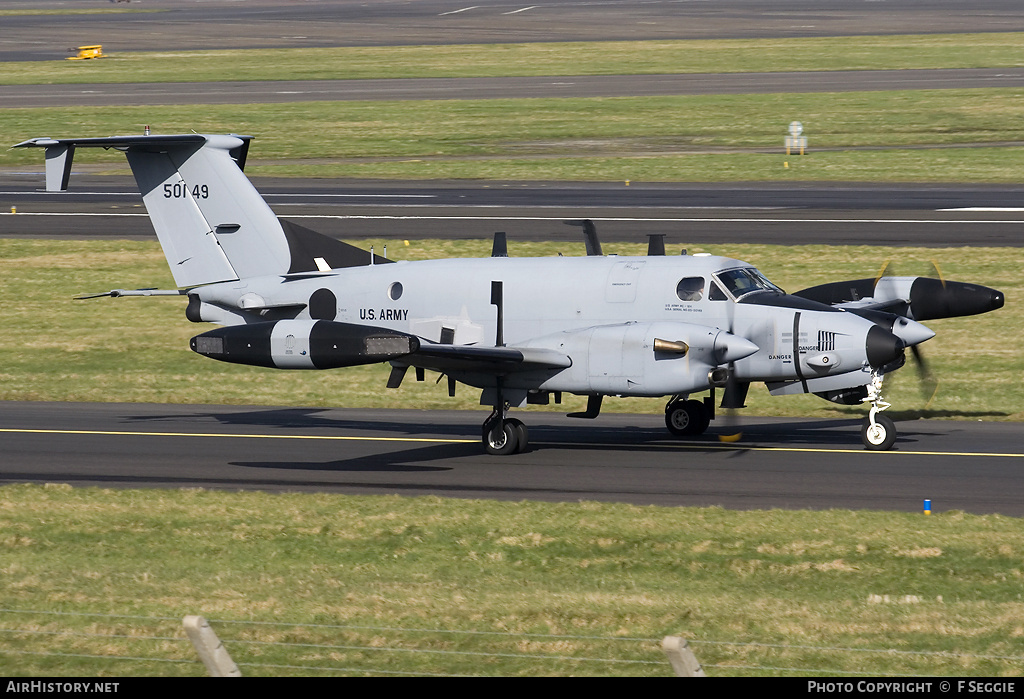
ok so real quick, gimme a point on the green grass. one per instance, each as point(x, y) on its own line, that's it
point(571, 58)
point(136, 349)
point(389, 570)
point(869, 136)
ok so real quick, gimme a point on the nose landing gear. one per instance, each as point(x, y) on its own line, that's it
point(878, 431)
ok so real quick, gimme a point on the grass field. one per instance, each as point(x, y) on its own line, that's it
point(967, 135)
point(422, 586)
point(530, 59)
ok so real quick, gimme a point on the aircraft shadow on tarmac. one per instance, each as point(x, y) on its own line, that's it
point(413, 460)
point(832, 433)
point(308, 418)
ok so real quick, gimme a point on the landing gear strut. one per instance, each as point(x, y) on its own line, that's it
point(878, 431)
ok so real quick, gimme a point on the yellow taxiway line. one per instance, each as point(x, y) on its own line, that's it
point(735, 446)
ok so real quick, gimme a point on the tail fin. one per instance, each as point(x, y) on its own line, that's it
point(211, 222)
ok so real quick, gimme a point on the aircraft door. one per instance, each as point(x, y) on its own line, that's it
point(622, 281)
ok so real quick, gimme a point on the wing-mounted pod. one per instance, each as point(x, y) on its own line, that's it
point(917, 298)
point(304, 344)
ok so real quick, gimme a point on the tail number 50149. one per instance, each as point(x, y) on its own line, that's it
point(179, 190)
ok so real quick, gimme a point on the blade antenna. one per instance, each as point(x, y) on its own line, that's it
point(589, 236)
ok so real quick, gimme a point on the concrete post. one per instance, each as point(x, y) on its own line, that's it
point(211, 651)
point(684, 662)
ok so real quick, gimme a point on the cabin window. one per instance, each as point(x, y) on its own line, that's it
point(690, 289)
point(395, 291)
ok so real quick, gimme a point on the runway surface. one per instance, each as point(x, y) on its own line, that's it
point(780, 463)
point(202, 24)
point(687, 214)
point(141, 94)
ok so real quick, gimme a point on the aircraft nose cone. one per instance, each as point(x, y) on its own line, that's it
point(883, 347)
point(911, 332)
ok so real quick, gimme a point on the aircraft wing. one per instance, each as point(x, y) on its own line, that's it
point(489, 360)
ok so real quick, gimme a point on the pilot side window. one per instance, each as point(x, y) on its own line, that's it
point(716, 293)
point(690, 289)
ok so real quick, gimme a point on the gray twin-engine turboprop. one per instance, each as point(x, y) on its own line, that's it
point(523, 330)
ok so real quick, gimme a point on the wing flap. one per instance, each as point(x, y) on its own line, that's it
point(490, 360)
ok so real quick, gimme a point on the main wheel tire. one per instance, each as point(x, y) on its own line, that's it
point(880, 436)
point(501, 442)
point(522, 435)
point(687, 418)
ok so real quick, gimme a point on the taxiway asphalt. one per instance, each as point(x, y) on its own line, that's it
point(269, 92)
point(687, 214)
point(178, 25)
point(780, 463)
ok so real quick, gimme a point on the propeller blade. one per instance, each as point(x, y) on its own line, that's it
point(735, 392)
point(929, 382)
point(938, 273)
point(882, 271)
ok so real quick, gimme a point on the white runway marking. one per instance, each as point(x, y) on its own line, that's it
point(627, 219)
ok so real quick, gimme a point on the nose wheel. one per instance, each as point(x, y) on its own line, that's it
point(879, 435)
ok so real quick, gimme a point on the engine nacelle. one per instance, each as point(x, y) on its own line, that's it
point(643, 359)
point(303, 344)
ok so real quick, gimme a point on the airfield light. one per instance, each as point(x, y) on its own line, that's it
point(927, 507)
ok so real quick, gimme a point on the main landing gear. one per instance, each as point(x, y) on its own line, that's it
point(878, 431)
point(502, 436)
point(687, 418)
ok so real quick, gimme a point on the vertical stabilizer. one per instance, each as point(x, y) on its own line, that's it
point(211, 222)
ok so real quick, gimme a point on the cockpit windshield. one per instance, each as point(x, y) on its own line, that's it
point(745, 280)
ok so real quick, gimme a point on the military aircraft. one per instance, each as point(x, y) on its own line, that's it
point(523, 330)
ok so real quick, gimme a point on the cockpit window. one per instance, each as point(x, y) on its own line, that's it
point(690, 289)
point(745, 280)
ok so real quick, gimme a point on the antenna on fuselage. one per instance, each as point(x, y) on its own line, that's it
point(655, 244)
point(497, 299)
point(589, 235)
point(500, 246)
